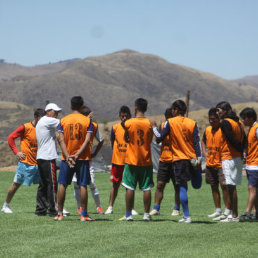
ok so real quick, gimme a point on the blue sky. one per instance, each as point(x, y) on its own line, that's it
point(217, 36)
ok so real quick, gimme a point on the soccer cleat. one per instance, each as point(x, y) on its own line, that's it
point(65, 212)
point(59, 218)
point(130, 218)
point(245, 217)
point(109, 210)
point(230, 219)
point(215, 214)
point(134, 212)
point(154, 212)
point(146, 217)
point(6, 209)
point(175, 213)
point(221, 217)
point(86, 218)
point(100, 211)
point(79, 211)
point(185, 220)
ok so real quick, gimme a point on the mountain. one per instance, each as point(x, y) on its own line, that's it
point(107, 82)
point(249, 80)
point(8, 71)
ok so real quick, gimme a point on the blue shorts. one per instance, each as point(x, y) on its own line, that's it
point(26, 174)
point(252, 176)
point(82, 170)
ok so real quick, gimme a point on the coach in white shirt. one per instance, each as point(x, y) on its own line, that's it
point(46, 158)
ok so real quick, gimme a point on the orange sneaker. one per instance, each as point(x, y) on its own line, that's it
point(86, 218)
point(79, 211)
point(58, 217)
point(100, 211)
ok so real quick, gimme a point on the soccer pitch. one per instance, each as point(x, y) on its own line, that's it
point(25, 235)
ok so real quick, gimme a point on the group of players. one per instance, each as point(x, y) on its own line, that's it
point(224, 147)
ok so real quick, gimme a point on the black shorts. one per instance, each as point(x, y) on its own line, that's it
point(183, 171)
point(165, 172)
point(214, 175)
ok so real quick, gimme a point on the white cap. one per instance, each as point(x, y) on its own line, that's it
point(52, 106)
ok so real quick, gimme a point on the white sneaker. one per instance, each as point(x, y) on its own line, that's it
point(109, 210)
point(185, 220)
point(175, 213)
point(215, 214)
point(6, 209)
point(134, 212)
point(65, 212)
point(154, 212)
point(230, 219)
point(221, 217)
point(146, 217)
point(130, 218)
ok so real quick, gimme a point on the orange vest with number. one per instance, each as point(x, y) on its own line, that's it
point(29, 144)
point(252, 157)
point(213, 141)
point(75, 129)
point(181, 138)
point(165, 151)
point(120, 146)
point(139, 146)
point(227, 151)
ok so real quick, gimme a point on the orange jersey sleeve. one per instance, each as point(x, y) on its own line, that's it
point(74, 128)
point(165, 151)
point(181, 135)
point(139, 146)
point(213, 143)
point(29, 144)
point(227, 151)
point(252, 155)
point(120, 146)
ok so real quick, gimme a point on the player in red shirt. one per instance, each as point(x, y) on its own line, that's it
point(27, 168)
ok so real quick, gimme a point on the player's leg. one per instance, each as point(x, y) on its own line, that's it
point(42, 198)
point(11, 191)
point(116, 175)
point(162, 179)
point(145, 179)
point(52, 188)
point(176, 208)
point(252, 192)
point(83, 179)
point(129, 181)
point(94, 190)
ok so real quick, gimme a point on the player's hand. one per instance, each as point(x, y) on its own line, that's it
point(71, 160)
point(90, 115)
point(21, 155)
point(153, 123)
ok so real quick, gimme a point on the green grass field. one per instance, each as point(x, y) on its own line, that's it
point(24, 235)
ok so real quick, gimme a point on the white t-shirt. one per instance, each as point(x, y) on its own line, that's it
point(46, 138)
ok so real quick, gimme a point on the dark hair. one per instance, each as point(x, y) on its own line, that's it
point(249, 113)
point(168, 113)
point(224, 105)
point(180, 105)
point(76, 102)
point(124, 109)
point(141, 104)
point(213, 112)
point(39, 112)
point(85, 110)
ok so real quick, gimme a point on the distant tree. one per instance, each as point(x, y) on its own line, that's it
point(2, 61)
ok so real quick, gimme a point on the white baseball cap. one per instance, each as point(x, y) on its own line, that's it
point(52, 106)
